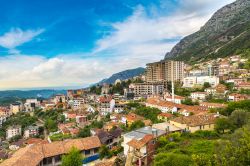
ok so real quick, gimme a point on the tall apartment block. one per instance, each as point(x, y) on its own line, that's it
point(163, 70)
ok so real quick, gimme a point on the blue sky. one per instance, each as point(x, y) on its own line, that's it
point(78, 42)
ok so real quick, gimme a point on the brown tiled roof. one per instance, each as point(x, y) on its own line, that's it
point(167, 115)
point(33, 154)
point(140, 143)
point(196, 120)
point(35, 141)
point(133, 117)
point(53, 149)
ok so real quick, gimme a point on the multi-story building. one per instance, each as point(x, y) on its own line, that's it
point(16, 107)
point(59, 98)
point(31, 104)
point(164, 71)
point(140, 145)
point(13, 131)
point(31, 131)
point(147, 89)
point(2, 119)
point(190, 82)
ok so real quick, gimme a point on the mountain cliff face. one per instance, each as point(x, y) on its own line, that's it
point(227, 32)
point(123, 75)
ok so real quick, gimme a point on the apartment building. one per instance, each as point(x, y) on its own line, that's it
point(147, 89)
point(31, 131)
point(16, 107)
point(163, 71)
point(13, 131)
point(190, 82)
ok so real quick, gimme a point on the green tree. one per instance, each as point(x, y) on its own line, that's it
point(136, 125)
point(85, 132)
point(104, 152)
point(239, 117)
point(73, 158)
point(51, 125)
point(235, 150)
point(223, 124)
point(206, 85)
point(172, 159)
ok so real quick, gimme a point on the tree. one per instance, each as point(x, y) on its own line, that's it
point(104, 151)
point(73, 158)
point(172, 159)
point(235, 150)
point(206, 85)
point(51, 125)
point(136, 125)
point(85, 132)
point(223, 124)
point(239, 117)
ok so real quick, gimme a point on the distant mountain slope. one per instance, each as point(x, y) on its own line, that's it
point(30, 93)
point(227, 32)
point(123, 75)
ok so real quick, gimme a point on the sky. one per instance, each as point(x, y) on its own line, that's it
point(74, 43)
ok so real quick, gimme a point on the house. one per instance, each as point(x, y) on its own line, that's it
point(164, 106)
point(31, 104)
point(105, 89)
point(69, 115)
point(140, 145)
point(59, 98)
point(177, 99)
point(220, 88)
point(50, 154)
point(5, 111)
point(31, 131)
point(243, 85)
point(81, 120)
point(90, 109)
point(110, 138)
point(210, 91)
point(2, 119)
point(131, 118)
point(187, 110)
point(12, 131)
point(195, 122)
point(198, 95)
point(77, 103)
point(169, 128)
point(16, 107)
point(164, 116)
point(238, 97)
point(212, 105)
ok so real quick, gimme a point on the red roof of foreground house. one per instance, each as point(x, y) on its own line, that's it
point(34, 154)
point(166, 115)
point(137, 144)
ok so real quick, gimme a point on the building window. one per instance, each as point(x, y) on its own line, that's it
point(57, 158)
point(87, 152)
point(47, 160)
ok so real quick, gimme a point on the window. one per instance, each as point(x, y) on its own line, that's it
point(47, 160)
point(87, 152)
point(57, 158)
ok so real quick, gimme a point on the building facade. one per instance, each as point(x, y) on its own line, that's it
point(163, 71)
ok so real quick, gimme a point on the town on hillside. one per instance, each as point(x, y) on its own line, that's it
point(174, 111)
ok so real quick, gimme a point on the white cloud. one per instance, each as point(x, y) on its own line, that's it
point(16, 37)
point(139, 39)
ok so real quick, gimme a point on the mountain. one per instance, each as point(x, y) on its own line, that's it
point(30, 93)
point(227, 32)
point(123, 75)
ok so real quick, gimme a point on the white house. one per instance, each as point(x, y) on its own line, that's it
point(13, 131)
point(198, 95)
point(31, 131)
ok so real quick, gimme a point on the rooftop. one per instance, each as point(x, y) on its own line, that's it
point(33, 154)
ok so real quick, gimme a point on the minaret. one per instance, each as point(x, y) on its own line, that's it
point(172, 80)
